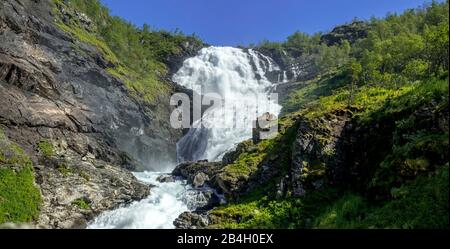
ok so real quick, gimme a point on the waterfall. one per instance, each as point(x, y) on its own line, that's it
point(228, 72)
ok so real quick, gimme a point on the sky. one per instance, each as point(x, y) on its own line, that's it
point(242, 22)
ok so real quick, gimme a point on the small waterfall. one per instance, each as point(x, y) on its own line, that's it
point(285, 78)
point(227, 72)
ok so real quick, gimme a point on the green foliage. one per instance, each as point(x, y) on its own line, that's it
point(436, 47)
point(139, 55)
point(262, 213)
point(331, 57)
point(19, 197)
point(346, 212)
point(306, 95)
point(421, 203)
point(84, 36)
point(64, 170)
point(412, 45)
point(46, 148)
point(81, 203)
point(422, 152)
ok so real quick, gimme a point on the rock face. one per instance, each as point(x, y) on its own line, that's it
point(75, 191)
point(318, 153)
point(56, 88)
point(349, 32)
point(296, 67)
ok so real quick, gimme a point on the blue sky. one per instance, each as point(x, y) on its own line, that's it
point(241, 22)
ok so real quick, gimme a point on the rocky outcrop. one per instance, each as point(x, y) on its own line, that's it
point(318, 152)
point(201, 175)
point(348, 32)
point(165, 178)
point(197, 173)
point(76, 189)
point(232, 155)
point(191, 220)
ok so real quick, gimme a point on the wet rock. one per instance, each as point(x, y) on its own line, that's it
point(77, 191)
point(200, 179)
point(197, 173)
point(165, 178)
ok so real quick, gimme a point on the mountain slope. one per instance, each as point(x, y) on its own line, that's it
point(80, 110)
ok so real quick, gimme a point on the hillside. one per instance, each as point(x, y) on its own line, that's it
point(363, 143)
point(84, 96)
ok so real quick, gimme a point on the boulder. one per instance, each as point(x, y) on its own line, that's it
point(165, 178)
point(197, 173)
point(265, 127)
point(191, 220)
point(200, 179)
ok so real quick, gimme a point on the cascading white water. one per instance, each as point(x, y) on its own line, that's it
point(231, 73)
point(228, 72)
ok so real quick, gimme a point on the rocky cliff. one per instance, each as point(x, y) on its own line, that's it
point(80, 125)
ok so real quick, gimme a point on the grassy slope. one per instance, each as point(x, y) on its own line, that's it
point(19, 197)
point(135, 56)
point(419, 202)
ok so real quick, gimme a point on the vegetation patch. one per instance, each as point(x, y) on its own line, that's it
point(19, 197)
point(64, 170)
point(140, 54)
point(81, 203)
point(46, 148)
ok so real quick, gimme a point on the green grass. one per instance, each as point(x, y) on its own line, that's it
point(262, 213)
point(81, 203)
point(46, 148)
point(84, 36)
point(19, 197)
point(146, 87)
point(306, 95)
point(421, 203)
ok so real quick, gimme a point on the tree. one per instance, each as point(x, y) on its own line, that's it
point(354, 71)
point(436, 47)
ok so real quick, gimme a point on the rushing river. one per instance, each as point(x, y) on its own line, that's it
point(238, 77)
